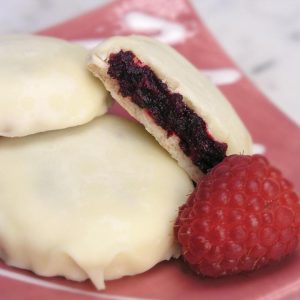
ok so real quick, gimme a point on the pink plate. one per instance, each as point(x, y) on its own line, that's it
point(175, 22)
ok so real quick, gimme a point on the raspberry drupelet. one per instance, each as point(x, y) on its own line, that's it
point(242, 215)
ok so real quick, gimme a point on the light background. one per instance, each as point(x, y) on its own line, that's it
point(262, 36)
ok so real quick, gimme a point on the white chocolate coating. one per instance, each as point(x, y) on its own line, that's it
point(44, 85)
point(96, 201)
point(199, 94)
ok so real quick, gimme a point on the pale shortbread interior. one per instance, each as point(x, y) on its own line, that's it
point(198, 93)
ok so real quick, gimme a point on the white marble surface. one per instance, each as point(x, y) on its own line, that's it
point(262, 36)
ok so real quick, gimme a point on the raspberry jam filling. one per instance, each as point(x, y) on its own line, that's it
point(138, 82)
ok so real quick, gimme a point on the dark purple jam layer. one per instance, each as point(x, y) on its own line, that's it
point(167, 109)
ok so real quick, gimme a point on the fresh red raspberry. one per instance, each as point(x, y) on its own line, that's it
point(242, 215)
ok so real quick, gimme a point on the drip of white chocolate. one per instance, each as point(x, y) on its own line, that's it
point(95, 201)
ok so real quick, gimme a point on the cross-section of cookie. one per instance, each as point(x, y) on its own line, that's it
point(179, 106)
point(95, 201)
point(45, 86)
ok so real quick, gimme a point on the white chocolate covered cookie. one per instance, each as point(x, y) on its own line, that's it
point(44, 85)
point(95, 201)
point(177, 104)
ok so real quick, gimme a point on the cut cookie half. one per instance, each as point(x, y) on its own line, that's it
point(45, 86)
point(182, 109)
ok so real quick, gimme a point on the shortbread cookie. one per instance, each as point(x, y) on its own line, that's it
point(95, 201)
point(182, 109)
point(45, 86)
